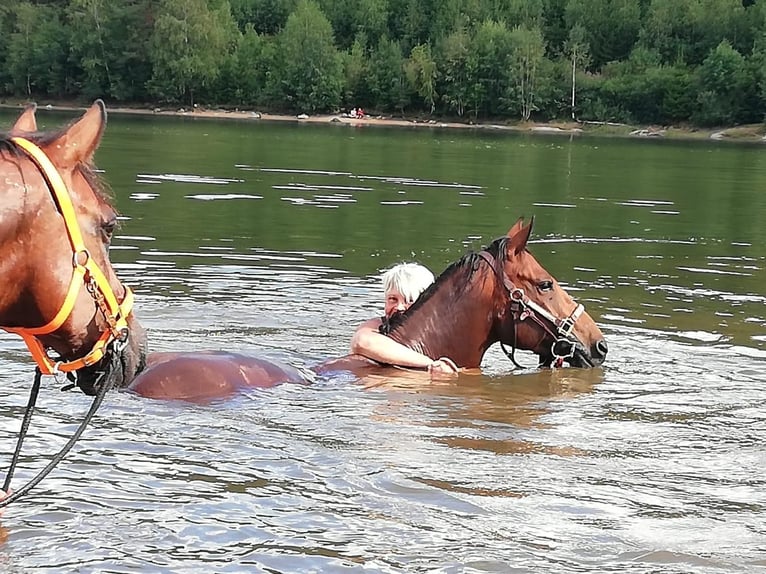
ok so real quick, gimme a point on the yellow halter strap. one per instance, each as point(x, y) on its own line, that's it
point(86, 272)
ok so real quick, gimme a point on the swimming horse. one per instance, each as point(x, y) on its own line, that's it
point(499, 295)
point(58, 289)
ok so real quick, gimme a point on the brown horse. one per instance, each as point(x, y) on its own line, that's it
point(501, 294)
point(58, 289)
point(204, 376)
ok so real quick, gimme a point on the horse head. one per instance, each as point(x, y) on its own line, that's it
point(536, 313)
point(58, 289)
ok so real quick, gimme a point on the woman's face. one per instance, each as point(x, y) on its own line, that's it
point(395, 303)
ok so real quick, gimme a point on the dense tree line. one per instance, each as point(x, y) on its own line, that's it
point(639, 61)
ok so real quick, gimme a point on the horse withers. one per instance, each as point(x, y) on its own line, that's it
point(58, 289)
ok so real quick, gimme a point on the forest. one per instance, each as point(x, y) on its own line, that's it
point(660, 62)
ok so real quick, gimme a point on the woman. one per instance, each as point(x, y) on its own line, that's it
point(402, 285)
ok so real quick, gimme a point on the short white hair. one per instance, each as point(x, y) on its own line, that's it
point(409, 279)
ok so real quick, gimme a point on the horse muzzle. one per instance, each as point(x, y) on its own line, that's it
point(583, 357)
point(573, 352)
point(119, 367)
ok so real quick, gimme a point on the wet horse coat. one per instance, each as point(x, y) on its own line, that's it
point(501, 294)
point(57, 286)
point(468, 309)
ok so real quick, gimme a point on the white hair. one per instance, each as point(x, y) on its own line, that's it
point(410, 279)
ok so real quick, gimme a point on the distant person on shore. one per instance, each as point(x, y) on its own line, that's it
point(402, 285)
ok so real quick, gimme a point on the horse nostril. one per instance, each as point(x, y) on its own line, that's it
point(602, 348)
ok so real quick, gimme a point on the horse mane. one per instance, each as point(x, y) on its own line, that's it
point(41, 139)
point(464, 268)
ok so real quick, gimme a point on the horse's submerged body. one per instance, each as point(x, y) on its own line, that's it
point(204, 376)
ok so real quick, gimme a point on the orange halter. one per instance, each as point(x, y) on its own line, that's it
point(86, 272)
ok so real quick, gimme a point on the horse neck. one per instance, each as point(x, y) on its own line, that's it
point(16, 261)
point(452, 322)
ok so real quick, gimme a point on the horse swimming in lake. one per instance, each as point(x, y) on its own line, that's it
point(500, 294)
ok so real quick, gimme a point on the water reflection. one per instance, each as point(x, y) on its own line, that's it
point(478, 412)
point(653, 463)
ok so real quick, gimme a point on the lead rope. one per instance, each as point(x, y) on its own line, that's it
point(104, 387)
point(24, 427)
point(512, 354)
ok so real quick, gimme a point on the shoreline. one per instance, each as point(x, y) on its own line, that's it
point(754, 133)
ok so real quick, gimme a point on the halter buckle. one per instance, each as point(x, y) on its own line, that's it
point(121, 340)
point(566, 326)
point(76, 256)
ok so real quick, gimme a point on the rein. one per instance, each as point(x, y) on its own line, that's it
point(97, 400)
point(523, 308)
point(111, 342)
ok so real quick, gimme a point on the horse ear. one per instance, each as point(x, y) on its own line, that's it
point(516, 227)
point(518, 240)
point(79, 141)
point(26, 122)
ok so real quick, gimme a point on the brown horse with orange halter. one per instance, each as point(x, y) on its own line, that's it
point(501, 294)
point(58, 289)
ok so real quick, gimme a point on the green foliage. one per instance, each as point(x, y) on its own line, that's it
point(687, 30)
point(653, 61)
point(189, 45)
point(37, 51)
point(264, 16)
point(723, 79)
point(527, 53)
point(355, 67)
point(421, 73)
point(309, 68)
point(387, 81)
point(456, 70)
point(490, 64)
point(612, 27)
point(109, 48)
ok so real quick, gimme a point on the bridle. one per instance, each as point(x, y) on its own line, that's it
point(522, 308)
point(86, 272)
point(110, 344)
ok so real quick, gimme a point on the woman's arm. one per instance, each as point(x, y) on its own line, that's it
point(368, 341)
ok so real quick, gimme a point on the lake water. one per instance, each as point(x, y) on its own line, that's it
point(269, 239)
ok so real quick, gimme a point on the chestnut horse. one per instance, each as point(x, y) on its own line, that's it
point(37, 214)
point(501, 294)
point(58, 289)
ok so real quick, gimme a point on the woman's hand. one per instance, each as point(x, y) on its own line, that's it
point(443, 368)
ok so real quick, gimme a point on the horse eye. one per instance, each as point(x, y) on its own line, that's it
point(544, 286)
point(108, 227)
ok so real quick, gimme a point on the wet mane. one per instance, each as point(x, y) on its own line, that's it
point(459, 274)
point(42, 139)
